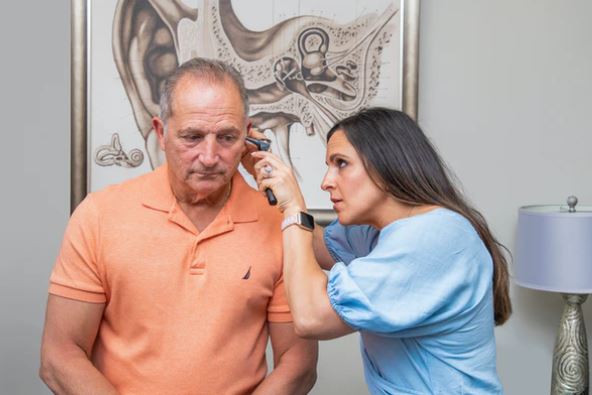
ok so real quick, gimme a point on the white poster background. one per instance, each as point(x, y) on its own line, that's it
point(110, 111)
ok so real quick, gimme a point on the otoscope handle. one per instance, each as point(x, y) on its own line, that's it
point(264, 145)
point(270, 197)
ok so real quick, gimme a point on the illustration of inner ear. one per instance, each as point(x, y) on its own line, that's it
point(145, 55)
point(313, 45)
point(335, 74)
point(306, 69)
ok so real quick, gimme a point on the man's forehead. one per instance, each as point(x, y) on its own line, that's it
point(205, 81)
point(210, 97)
point(207, 128)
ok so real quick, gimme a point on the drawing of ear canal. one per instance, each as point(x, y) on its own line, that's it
point(144, 52)
point(306, 70)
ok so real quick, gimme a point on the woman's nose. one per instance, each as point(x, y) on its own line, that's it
point(328, 181)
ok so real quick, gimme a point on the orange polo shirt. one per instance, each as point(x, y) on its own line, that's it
point(186, 312)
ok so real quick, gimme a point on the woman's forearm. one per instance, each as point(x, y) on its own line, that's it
point(306, 289)
point(305, 281)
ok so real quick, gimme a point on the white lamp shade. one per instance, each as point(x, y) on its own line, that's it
point(554, 249)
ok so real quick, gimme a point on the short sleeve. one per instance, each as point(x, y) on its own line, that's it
point(346, 243)
point(76, 274)
point(278, 309)
point(411, 290)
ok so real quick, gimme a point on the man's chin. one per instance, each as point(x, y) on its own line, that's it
point(206, 176)
point(206, 187)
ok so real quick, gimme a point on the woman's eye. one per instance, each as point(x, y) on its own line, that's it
point(340, 163)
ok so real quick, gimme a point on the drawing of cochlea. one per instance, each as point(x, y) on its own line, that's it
point(113, 154)
point(306, 69)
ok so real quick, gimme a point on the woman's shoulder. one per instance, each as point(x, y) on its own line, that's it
point(438, 230)
point(430, 221)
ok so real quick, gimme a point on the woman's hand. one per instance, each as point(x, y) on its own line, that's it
point(274, 174)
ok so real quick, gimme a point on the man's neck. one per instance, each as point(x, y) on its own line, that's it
point(202, 211)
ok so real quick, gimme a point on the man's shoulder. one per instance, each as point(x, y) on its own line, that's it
point(128, 191)
point(255, 201)
point(268, 213)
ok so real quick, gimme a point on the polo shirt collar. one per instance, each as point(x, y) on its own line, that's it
point(156, 191)
point(240, 207)
point(242, 203)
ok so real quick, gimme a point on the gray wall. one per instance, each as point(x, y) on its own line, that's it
point(35, 177)
point(505, 91)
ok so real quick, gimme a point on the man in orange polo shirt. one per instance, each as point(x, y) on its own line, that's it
point(171, 283)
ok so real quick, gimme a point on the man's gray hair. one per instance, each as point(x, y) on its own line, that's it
point(211, 69)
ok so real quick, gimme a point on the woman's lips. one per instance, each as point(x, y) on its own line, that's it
point(336, 203)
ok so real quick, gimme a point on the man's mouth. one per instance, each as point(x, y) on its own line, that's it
point(206, 174)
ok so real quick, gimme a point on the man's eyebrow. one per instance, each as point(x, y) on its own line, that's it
point(230, 129)
point(191, 129)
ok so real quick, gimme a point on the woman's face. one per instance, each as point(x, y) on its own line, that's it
point(356, 198)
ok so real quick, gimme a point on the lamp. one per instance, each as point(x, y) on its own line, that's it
point(554, 253)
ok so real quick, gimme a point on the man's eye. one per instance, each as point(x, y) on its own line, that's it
point(227, 138)
point(192, 137)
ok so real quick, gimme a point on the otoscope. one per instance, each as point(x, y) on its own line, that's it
point(264, 145)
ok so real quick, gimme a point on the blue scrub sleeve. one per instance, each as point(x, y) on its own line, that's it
point(407, 288)
point(345, 243)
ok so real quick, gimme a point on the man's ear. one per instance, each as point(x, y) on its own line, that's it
point(158, 127)
point(249, 128)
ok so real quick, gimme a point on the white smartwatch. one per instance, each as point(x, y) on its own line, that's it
point(302, 220)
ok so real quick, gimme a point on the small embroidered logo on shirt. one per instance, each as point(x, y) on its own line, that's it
point(247, 274)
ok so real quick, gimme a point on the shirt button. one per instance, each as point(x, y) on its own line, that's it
point(198, 267)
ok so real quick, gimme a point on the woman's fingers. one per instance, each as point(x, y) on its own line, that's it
point(268, 164)
point(256, 133)
point(274, 174)
point(267, 157)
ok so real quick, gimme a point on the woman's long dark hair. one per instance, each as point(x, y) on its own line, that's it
point(401, 159)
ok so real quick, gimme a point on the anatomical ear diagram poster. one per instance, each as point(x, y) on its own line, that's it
point(306, 65)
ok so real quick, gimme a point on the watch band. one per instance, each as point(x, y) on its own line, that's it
point(302, 220)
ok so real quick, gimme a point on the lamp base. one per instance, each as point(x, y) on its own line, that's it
point(570, 356)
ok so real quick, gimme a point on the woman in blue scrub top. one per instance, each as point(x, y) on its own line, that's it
point(422, 279)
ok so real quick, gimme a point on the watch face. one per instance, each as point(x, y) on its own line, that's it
point(307, 220)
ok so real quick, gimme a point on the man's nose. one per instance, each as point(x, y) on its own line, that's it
point(209, 155)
